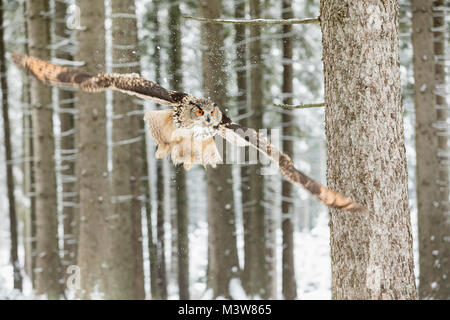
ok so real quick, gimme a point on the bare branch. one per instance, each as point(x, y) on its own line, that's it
point(255, 21)
point(300, 106)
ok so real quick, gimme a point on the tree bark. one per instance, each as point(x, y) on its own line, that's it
point(289, 287)
point(182, 218)
point(223, 259)
point(243, 110)
point(14, 258)
point(152, 245)
point(431, 143)
point(160, 212)
point(67, 145)
point(256, 269)
point(443, 249)
point(125, 226)
point(29, 185)
point(48, 268)
point(371, 253)
point(91, 162)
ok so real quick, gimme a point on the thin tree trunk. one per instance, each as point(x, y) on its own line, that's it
point(242, 76)
point(431, 142)
point(30, 227)
point(124, 227)
point(256, 268)
point(14, 258)
point(182, 218)
point(91, 163)
point(48, 268)
point(371, 253)
point(243, 110)
point(152, 246)
point(443, 249)
point(67, 144)
point(223, 260)
point(289, 287)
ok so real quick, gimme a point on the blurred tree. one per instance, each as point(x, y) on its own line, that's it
point(14, 258)
point(28, 167)
point(371, 253)
point(48, 268)
point(63, 50)
point(92, 153)
point(431, 145)
point(289, 286)
point(182, 218)
point(158, 278)
point(126, 272)
point(223, 260)
point(256, 278)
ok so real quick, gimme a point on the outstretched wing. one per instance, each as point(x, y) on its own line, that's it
point(131, 84)
point(243, 136)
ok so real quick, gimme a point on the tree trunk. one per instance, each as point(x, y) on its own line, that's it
point(124, 227)
point(14, 258)
point(91, 163)
point(182, 218)
point(223, 260)
point(431, 142)
point(67, 145)
point(152, 246)
point(289, 287)
point(48, 268)
point(256, 269)
point(241, 77)
point(443, 249)
point(29, 187)
point(371, 253)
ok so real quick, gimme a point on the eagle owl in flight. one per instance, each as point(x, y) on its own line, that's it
point(186, 131)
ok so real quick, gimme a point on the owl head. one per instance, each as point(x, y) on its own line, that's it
point(201, 113)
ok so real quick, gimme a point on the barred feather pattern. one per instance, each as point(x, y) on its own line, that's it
point(240, 135)
point(131, 83)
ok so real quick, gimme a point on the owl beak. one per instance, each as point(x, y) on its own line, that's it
point(208, 119)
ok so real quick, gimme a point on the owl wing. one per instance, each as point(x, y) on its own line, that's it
point(180, 143)
point(131, 84)
point(243, 136)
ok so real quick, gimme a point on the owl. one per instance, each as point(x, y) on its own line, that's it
point(185, 132)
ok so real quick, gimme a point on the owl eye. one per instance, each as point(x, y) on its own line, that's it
point(200, 112)
point(212, 112)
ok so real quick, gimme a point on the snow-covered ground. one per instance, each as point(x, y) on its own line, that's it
point(312, 263)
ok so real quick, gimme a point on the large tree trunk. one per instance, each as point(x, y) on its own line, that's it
point(289, 287)
point(182, 219)
point(256, 269)
point(124, 227)
point(223, 259)
point(67, 144)
point(431, 143)
point(14, 258)
point(371, 253)
point(91, 163)
point(48, 269)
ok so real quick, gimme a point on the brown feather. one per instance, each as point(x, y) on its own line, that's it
point(131, 84)
point(237, 134)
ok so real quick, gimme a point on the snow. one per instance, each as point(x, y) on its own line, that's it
point(312, 247)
